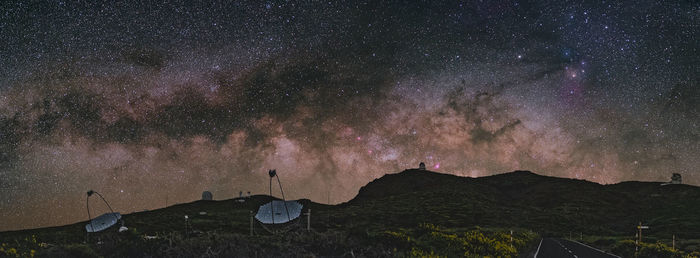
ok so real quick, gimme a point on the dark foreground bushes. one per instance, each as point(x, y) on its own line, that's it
point(422, 240)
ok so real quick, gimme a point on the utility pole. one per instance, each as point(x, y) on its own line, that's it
point(251, 223)
point(673, 243)
point(308, 220)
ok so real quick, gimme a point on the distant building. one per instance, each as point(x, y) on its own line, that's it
point(421, 166)
point(206, 195)
point(676, 179)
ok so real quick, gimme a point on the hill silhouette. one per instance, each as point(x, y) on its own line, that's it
point(547, 205)
point(524, 199)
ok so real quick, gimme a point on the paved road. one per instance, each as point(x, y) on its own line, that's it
point(560, 248)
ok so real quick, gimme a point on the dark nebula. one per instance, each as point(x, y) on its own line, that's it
point(153, 102)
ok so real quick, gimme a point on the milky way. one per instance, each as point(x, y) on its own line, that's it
point(153, 104)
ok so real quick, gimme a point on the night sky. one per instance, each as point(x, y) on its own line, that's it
point(148, 103)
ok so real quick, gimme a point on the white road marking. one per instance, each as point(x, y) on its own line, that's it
point(594, 248)
point(567, 249)
point(538, 248)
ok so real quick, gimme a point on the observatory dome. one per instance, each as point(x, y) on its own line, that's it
point(207, 196)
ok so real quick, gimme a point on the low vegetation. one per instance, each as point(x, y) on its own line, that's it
point(413, 213)
point(433, 241)
point(649, 247)
point(424, 240)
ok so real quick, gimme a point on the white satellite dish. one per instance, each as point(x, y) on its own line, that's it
point(103, 222)
point(278, 212)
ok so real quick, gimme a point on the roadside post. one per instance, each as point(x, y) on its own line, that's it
point(639, 236)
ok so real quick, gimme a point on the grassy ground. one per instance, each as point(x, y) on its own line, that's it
point(422, 240)
point(440, 214)
point(650, 246)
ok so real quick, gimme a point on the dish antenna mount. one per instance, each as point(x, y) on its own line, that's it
point(105, 220)
point(273, 173)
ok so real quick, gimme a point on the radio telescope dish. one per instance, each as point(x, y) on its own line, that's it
point(278, 212)
point(103, 222)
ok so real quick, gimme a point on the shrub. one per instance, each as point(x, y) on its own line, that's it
point(429, 240)
point(80, 250)
point(25, 247)
point(626, 248)
point(658, 250)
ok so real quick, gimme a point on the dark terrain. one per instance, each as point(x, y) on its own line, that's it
point(412, 213)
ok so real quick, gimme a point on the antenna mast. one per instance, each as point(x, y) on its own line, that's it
point(273, 173)
point(87, 205)
point(87, 201)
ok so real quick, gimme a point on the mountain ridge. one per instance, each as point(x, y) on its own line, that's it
point(514, 199)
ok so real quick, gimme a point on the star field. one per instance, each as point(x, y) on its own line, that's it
point(153, 102)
